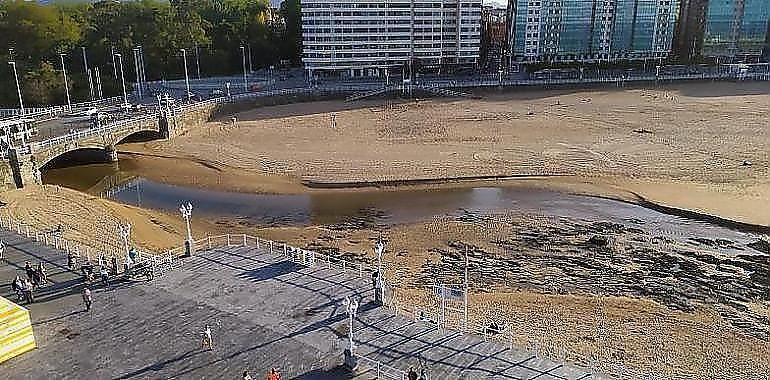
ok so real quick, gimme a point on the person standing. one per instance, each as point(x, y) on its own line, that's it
point(412, 375)
point(28, 291)
point(207, 341)
point(105, 276)
point(273, 375)
point(87, 300)
point(28, 269)
point(246, 375)
point(18, 286)
point(2, 250)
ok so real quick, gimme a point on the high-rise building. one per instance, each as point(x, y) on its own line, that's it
point(368, 37)
point(493, 36)
point(688, 38)
point(590, 30)
point(735, 28)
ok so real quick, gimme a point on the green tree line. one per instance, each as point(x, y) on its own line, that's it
point(34, 36)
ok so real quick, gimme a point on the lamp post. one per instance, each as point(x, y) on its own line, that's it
point(379, 291)
point(122, 78)
point(186, 211)
point(351, 306)
point(66, 86)
point(88, 72)
point(18, 88)
point(186, 77)
point(137, 71)
point(245, 79)
point(125, 233)
point(465, 293)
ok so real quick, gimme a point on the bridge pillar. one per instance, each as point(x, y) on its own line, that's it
point(111, 153)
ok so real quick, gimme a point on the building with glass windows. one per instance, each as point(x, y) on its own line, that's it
point(735, 28)
point(372, 37)
point(590, 30)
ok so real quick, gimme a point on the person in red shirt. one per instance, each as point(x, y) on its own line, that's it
point(273, 375)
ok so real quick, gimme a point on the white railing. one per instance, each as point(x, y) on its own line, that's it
point(381, 371)
point(159, 262)
point(294, 254)
point(78, 135)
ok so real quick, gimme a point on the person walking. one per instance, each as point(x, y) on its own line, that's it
point(87, 299)
point(246, 375)
point(207, 341)
point(2, 250)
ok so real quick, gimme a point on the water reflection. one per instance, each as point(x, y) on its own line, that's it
point(384, 207)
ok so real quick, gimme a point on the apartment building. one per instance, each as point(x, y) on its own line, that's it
point(372, 37)
point(590, 30)
point(735, 28)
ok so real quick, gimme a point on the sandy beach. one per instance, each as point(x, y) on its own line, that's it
point(599, 293)
point(687, 146)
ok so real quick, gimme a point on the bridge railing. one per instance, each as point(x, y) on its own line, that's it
point(77, 135)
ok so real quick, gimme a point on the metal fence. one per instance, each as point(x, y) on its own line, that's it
point(86, 252)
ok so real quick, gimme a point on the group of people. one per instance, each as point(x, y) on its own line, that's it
point(25, 287)
point(272, 375)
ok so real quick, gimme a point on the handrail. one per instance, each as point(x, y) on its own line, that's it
point(383, 371)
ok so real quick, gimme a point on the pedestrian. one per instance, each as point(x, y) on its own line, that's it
point(2, 250)
point(28, 269)
point(207, 341)
point(423, 374)
point(87, 300)
point(17, 285)
point(27, 288)
point(246, 375)
point(412, 375)
point(105, 276)
point(128, 264)
point(41, 271)
point(35, 279)
point(273, 375)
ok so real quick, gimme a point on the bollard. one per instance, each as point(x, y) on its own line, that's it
point(257, 240)
point(271, 247)
point(284, 250)
point(228, 240)
point(244, 240)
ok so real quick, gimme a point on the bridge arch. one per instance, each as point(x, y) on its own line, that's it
point(81, 155)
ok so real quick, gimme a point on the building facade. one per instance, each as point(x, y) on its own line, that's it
point(590, 30)
point(493, 37)
point(735, 28)
point(372, 37)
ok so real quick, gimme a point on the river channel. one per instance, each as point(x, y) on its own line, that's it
point(125, 184)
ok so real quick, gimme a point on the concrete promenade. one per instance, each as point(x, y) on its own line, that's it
point(263, 311)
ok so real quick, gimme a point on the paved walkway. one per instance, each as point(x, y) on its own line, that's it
point(263, 312)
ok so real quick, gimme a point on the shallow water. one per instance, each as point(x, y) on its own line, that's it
point(376, 207)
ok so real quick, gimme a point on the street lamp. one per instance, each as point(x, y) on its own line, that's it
point(122, 78)
point(18, 88)
point(186, 211)
point(125, 233)
point(351, 306)
point(245, 79)
point(66, 87)
point(88, 72)
point(186, 77)
point(137, 71)
point(379, 288)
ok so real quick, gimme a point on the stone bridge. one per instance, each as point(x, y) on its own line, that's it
point(25, 165)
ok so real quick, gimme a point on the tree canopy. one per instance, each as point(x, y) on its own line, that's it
point(34, 35)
